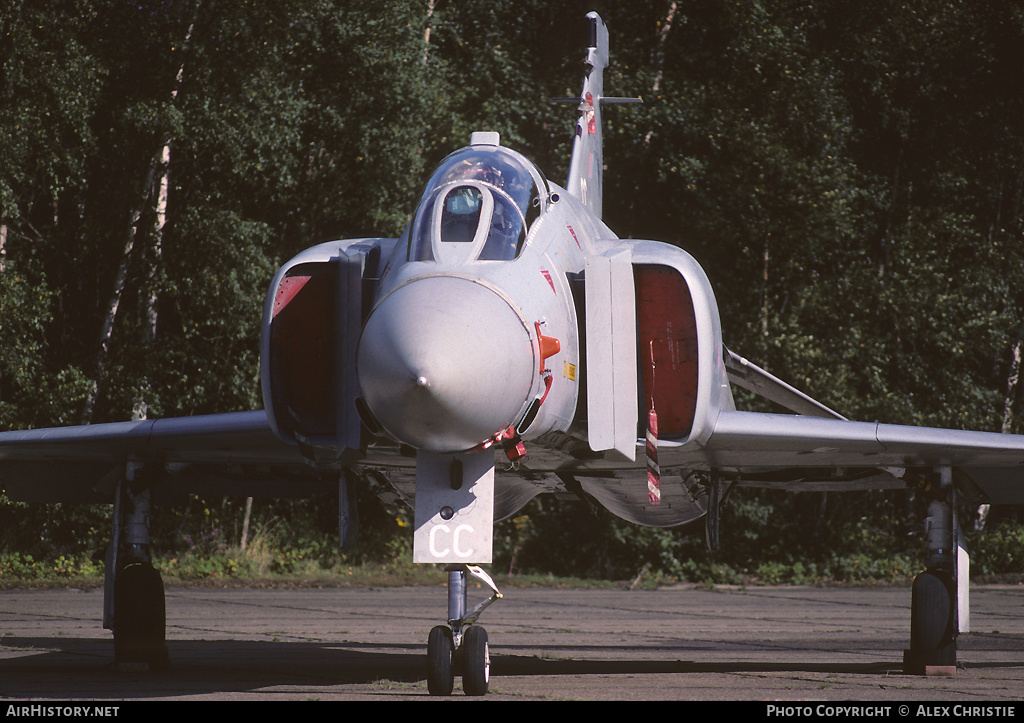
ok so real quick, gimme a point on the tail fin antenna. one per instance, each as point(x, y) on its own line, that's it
point(586, 168)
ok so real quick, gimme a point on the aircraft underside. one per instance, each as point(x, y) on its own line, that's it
point(568, 470)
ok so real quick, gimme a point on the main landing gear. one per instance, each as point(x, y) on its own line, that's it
point(939, 602)
point(461, 646)
point(134, 605)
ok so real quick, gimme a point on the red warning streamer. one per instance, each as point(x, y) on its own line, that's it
point(653, 470)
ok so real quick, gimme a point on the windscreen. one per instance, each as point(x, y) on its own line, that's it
point(481, 196)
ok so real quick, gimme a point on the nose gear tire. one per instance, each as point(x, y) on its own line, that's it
point(440, 672)
point(476, 661)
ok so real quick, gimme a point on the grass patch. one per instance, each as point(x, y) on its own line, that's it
point(239, 568)
point(291, 551)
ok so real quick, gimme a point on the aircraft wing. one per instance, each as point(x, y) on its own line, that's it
point(989, 466)
point(234, 453)
point(238, 453)
point(765, 447)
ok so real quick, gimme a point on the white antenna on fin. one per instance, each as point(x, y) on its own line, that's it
point(586, 169)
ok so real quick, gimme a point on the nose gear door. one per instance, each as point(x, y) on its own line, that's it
point(454, 507)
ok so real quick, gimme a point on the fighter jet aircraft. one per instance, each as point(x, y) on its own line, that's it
point(507, 345)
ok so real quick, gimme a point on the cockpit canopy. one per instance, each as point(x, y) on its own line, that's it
point(478, 205)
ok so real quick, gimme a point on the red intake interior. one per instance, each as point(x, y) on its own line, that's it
point(667, 348)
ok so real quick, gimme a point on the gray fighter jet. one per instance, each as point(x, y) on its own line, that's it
point(509, 344)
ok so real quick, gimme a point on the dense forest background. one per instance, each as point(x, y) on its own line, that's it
point(850, 175)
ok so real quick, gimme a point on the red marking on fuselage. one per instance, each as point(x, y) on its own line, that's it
point(591, 119)
point(551, 282)
point(290, 286)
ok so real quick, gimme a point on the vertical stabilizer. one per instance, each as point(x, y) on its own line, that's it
point(585, 170)
point(587, 166)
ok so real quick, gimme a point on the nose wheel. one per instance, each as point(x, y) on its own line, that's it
point(460, 646)
point(440, 661)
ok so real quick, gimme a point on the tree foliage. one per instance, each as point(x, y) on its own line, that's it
point(850, 176)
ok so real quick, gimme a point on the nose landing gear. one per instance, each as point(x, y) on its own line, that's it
point(461, 645)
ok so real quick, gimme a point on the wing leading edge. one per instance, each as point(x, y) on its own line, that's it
point(238, 453)
point(85, 463)
point(754, 443)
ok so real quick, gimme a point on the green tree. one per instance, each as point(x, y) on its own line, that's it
point(849, 176)
point(49, 87)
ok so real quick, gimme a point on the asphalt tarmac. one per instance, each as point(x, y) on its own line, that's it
point(687, 643)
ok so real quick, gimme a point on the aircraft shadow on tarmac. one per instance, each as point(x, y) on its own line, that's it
point(82, 668)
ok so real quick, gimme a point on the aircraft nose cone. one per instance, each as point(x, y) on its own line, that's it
point(445, 363)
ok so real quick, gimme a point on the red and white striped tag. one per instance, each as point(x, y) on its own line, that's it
point(653, 470)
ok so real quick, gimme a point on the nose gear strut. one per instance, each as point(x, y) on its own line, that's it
point(460, 643)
